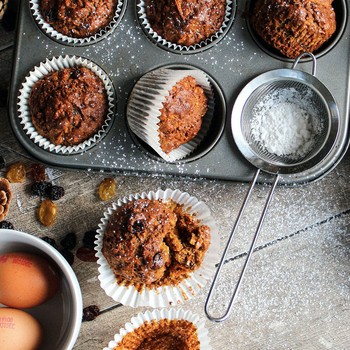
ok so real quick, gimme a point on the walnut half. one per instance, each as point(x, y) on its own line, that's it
point(5, 197)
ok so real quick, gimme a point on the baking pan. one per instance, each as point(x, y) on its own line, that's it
point(230, 62)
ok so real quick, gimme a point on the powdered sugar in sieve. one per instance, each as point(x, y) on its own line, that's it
point(286, 122)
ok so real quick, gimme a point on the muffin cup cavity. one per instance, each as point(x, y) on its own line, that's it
point(72, 41)
point(157, 315)
point(146, 101)
point(41, 71)
point(341, 15)
point(166, 295)
point(182, 49)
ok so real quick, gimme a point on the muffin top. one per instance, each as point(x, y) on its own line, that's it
point(294, 26)
point(162, 335)
point(149, 243)
point(78, 18)
point(68, 106)
point(185, 22)
point(182, 113)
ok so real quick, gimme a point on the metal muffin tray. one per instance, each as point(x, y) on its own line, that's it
point(231, 62)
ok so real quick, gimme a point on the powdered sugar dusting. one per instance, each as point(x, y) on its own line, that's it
point(286, 123)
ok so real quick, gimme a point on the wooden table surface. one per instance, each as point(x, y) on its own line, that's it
point(296, 294)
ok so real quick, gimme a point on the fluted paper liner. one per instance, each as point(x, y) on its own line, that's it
point(48, 29)
point(141, 12)
point(157, 315)
point(146, 100)
point(41, 71)
point(167, 295)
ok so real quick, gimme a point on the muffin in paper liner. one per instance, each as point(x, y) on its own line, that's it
point(146, 100)
point(166, 295)
point(157, 315)
point(176, 48)
point(41, 71)
point(65, 39)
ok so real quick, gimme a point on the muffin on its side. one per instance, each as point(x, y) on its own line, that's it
point(294, 26)
point(185, 22)
point(78, 19)
point(151, 243)
point(182, 114)
point(68, 106)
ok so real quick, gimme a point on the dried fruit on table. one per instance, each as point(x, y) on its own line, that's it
point(47, 212)
point(37, 172)
point(51, 241)
point(41, 188)
point(107, 189)
point(5, 198)
point(6, 225)
point(86, 254)
point(68, 255)
point(89, 239)
point(55, 192)
point(90, 312)
point(69, 241)
point(16, 172)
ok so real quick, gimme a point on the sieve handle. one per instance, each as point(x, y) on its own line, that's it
point(313, 61)
point(250, 252)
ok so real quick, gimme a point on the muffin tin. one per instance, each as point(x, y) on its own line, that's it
point(230, 63)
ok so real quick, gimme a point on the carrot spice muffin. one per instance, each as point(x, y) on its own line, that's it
point(5, 197)
point(161, 335)
point(152, 243)
point(182, 114)
point(294, 26)
point(68, 106)
point(185, 22)
point(78, 18)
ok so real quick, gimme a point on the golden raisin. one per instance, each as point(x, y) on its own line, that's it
point(47, 212)
point(107, 189)
point(16, 172)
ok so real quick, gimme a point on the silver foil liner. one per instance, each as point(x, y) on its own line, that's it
point(102, 33)
point(41, 71)
point(167, 295)
point(157, 315)
point(157, 39)
point(146, 100)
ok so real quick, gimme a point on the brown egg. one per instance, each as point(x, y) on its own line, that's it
point(26, 280)
point(19, 330)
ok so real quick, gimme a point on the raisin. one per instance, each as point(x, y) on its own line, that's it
point(47, 212)
point(51, 241)
point(55, 192)
point(16, 172)
point(107, 189)
point(69, 241)
point(90, 312)
point(37, 172)
point(89, 239)
point(75, 73)
point(86, 254)
point(2, 162)
point(138, 226)
point(41, 188)
point(6, 225)
point(68, 255)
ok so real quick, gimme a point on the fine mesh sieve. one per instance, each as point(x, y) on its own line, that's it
point(319, 107)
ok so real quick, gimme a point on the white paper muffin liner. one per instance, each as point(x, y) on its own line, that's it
point(141, 12)
point(146, 100)
point(48, 29)
point(171, 314)
point(41, 71)
point(167, 295)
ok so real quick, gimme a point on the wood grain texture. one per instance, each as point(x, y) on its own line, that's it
point(296, 293)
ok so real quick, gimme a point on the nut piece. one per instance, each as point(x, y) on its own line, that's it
point(5, 197)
